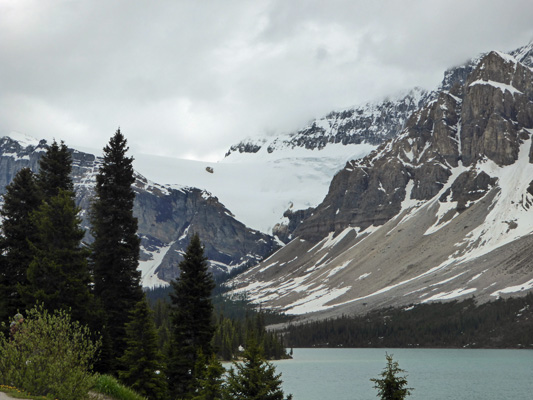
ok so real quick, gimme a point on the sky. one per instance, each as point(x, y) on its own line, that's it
point(188, 79)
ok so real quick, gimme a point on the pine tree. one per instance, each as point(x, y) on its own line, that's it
point(115, 250)
point(209, 377)
point(254, 378)
point(55, 167)
point(192, 318)
point(58, 275)
point(141, 364)
point(22, 197)
point(392, 386)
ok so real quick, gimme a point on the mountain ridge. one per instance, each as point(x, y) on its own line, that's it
point(437, 213)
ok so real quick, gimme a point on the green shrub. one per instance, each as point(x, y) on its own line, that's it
point(49, 355)
point(109, 386)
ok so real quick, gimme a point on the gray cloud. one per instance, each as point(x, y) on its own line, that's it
point(188, 79)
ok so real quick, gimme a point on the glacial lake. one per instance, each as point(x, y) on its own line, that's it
point(435, 374)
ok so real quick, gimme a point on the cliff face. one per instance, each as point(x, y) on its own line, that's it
point(167, 216)
point(439, 212)
point(487, 118)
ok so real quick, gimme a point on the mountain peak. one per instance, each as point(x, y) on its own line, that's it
point(439, 212)
point(23, 139)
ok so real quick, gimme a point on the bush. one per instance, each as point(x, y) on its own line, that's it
point(49, 355)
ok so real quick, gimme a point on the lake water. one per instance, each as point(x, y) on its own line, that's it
point(435, 374)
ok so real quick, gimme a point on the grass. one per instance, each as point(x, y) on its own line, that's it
point(109, 386)
point(105, 384)
point(20, 394)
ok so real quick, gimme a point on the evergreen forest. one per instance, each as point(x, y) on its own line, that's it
point(503, 323)
point(52, 278)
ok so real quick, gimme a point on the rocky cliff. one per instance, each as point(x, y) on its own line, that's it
point(439, 212)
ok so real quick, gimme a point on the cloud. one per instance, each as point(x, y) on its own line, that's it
point(188, 79)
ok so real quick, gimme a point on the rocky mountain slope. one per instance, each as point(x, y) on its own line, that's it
point(359, 128)
point(167, 215)
point(442, 211)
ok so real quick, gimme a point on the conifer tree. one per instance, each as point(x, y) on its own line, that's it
point(55, 167)
point(392, 385)
point(115, 250)
point(22, 197)
point(254, 378)
point(192, 319)
point(141, 364)
point(58, 275)
point(209, 377)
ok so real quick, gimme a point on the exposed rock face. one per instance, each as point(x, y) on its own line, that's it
point(167, 216)
point(439, 212)
point(486, 119)
point(496, 109)
point(284, 232)
point(17, 157)
point(170, 216)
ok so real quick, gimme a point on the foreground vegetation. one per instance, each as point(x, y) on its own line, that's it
point(50, 356)
point(503, 323)
point(110, 386)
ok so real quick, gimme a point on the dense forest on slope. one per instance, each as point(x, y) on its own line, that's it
point(503, 323)
point(236, 321)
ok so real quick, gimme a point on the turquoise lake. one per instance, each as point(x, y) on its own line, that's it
point(435, 374)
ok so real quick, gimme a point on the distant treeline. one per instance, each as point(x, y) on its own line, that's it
point(503, 323)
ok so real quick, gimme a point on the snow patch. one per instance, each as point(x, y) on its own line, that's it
point(502, 86)
point(316, 300)
point(514, 289)
point(148, 276)
point(338, 268)
point(450, 295)
point(23, 139)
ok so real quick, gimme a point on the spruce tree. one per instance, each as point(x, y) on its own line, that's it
point(58, 275)
point(115, 250)
point(192, 319)
point(209, 377)
point(254, 378)
point(55, 167)
point(142, 365)
point(22, 197)
point(392, 385)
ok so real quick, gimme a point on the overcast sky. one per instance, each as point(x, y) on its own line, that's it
point(188, 79)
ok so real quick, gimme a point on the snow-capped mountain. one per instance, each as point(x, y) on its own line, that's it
point(289, 173)
point(442, 211)
point(371, 123)
point(269, 185)
point(167, 215)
